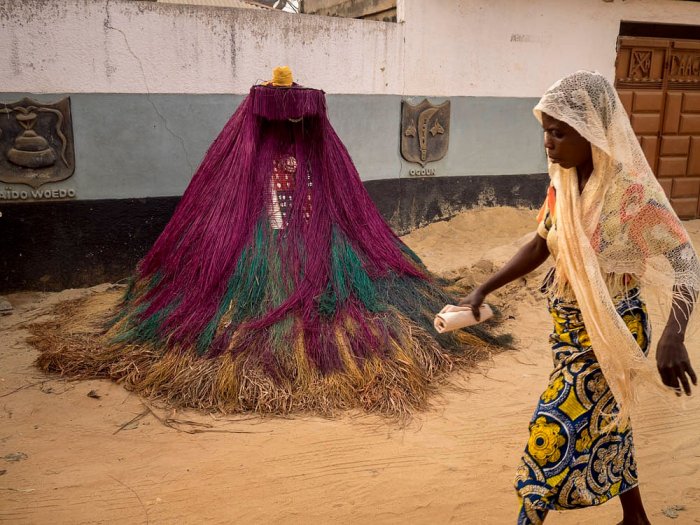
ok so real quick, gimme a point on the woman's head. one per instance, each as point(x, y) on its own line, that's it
point(583, 102)
point(564, 145)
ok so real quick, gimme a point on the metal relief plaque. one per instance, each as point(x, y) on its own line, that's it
point(425, 131)
point(36, 142)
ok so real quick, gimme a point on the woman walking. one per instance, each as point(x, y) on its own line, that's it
point(611, 231)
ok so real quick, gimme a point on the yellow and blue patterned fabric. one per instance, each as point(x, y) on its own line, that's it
point(573, 459)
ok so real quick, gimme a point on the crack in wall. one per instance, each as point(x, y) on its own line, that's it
point(108, 25)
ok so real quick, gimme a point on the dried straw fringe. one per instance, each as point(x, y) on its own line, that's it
point(74, 345)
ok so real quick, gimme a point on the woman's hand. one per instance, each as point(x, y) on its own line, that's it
point(673, 362)
point(474, 300)
point(528, 257)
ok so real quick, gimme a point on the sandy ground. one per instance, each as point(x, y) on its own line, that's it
point(78, 452)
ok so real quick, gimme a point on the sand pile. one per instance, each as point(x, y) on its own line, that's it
point(471, 246)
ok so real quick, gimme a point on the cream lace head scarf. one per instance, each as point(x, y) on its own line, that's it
point(622, 223)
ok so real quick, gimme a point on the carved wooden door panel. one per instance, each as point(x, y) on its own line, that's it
point(659, 84)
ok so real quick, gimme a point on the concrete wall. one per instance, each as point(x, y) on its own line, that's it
point(103, 46)
point(439, 48)
point(152, 84)
point(136, 145)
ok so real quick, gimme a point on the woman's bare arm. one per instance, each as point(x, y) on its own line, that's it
point(527, 259)
point(672, 359)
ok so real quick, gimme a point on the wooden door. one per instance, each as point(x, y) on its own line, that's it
point(658, 81)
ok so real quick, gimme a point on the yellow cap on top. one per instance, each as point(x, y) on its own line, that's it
point(281, 76)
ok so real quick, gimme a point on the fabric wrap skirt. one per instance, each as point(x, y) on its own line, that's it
point(572, 459)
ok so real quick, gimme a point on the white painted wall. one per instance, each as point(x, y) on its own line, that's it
point(103, 46)
point(439, 48)
point(516, 47)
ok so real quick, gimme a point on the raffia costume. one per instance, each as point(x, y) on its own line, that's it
point(277, 286)
point(619, 235)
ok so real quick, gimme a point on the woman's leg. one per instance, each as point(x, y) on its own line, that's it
point(633, 512)
point(634, 313)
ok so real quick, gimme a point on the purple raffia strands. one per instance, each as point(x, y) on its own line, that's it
point(197, 251)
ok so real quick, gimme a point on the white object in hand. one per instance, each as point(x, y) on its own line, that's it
point(455, 317)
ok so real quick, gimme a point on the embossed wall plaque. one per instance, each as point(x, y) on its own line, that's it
point(36, 142)
point(425, 131)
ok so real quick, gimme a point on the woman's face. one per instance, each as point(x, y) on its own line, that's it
point(563, 143)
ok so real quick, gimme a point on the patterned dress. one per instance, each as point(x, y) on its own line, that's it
point(572, 459)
